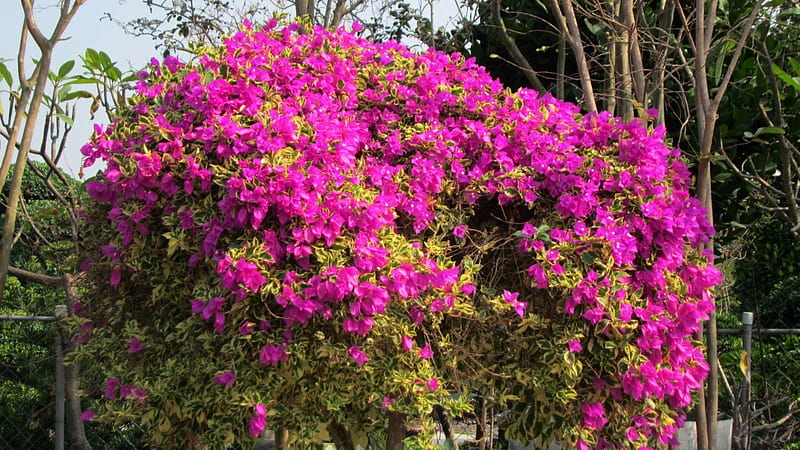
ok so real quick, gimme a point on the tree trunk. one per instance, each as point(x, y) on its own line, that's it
point(67, 12)
point(75, 428)
point(340, 436)
point(480, 422)
point(396, 431)
point(444, 420)
point(568, 27)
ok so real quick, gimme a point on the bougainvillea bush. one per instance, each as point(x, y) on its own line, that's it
point(310, 231)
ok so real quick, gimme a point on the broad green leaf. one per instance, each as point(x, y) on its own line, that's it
point(786, 13)
point(83, 80)
point(66, 68)
point(91, 55)
point(113, 73)
point(63, 91)
point(764, 130)
point(105, 60)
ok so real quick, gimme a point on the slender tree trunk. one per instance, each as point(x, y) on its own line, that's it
point(635, 54)
point(75, 428)
point(624, 61)
point(568, 26)
point(15, 190)
point(19, 110)
point(480, 422)
point(516, 54)
point(613, 51)
point(786, 147)
point(68, 11)
point(561, 68)
point(707, 108)
point(444, 420)
point(660, 48)
point(340, 435)
point(396, 431)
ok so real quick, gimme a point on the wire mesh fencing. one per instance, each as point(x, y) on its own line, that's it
point(28, 388)
point(760, 387)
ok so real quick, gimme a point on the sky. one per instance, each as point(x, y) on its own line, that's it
point(91, 28)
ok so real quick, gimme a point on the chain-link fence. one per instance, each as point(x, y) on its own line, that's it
point(30, 352)
point(760, 387)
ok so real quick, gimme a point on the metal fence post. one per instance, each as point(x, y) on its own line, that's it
point(60, 313)
point(747, 346)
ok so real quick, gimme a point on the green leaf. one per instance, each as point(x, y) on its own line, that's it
point(764, 130)
point(76, 94)
point(105, 60)
point(62, 92)
point(91, 55)
point(794, 82)
point(113, 73)
point(5, 73)
point(66, 68)
point(788, 12)
point(795, 65)
point(68, 120)
point(83, 80)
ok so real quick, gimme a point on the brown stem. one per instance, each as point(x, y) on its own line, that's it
point(512, 48)
point(624, 60)
point(21, 104)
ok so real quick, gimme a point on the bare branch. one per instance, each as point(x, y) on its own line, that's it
point(513, 49)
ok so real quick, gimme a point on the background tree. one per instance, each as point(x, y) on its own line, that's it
point(40, 202)
point(629, 56)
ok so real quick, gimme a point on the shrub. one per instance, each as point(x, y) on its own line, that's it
point(299, 229)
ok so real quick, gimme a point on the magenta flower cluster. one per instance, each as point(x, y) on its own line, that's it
point(308, 143)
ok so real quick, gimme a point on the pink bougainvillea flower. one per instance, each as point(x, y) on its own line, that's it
point(574, 345)
point(433, 384)
point(360, 357)
point(87, 415)
point(227, 378)
point(426, 352)
point(406, 343)
point(468, 289)
point(259, 420)
point(111, 391)
point(460, 231)
point(272, 354)
point(510, 297)
point(246, 328)
point(594, 415)
point(135, 345)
